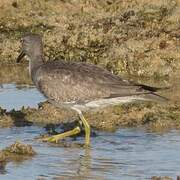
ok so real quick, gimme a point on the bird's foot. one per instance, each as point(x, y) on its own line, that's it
point(56, 138)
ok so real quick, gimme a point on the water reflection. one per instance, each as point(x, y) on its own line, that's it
point(3, 168)
point(79, 166)
point(84, 162)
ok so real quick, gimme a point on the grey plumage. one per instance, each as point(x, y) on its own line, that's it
point(78, 82)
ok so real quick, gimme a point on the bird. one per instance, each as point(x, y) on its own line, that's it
point(79, 86)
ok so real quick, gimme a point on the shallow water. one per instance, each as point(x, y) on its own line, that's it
point(125, 154)
point(14, 97)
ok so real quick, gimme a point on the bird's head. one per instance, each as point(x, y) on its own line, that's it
point(31, 46)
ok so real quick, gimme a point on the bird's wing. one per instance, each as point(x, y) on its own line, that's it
point(72, 81)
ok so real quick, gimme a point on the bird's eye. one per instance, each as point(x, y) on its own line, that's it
point(21, 40)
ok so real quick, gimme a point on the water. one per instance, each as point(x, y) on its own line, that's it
point(126, 154)
point(14, 97)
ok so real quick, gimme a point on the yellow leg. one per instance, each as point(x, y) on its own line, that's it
point(86, 127)
point(57, 137)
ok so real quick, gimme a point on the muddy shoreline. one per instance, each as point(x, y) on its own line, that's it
point(152, 116)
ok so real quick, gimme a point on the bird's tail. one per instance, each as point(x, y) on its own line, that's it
point(154, 97)
point(151, 88)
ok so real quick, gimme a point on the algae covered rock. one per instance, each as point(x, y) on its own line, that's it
point(16, 152)
point(19, 148)
point(139, 114)
point(129, 37)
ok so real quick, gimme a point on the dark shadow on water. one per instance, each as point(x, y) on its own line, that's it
point(53, 129)
point(19, 119)
point(3, 167)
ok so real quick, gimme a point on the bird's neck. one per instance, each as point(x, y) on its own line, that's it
point(34, 63)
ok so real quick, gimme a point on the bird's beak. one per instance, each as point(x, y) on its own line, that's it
point(21, 55)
